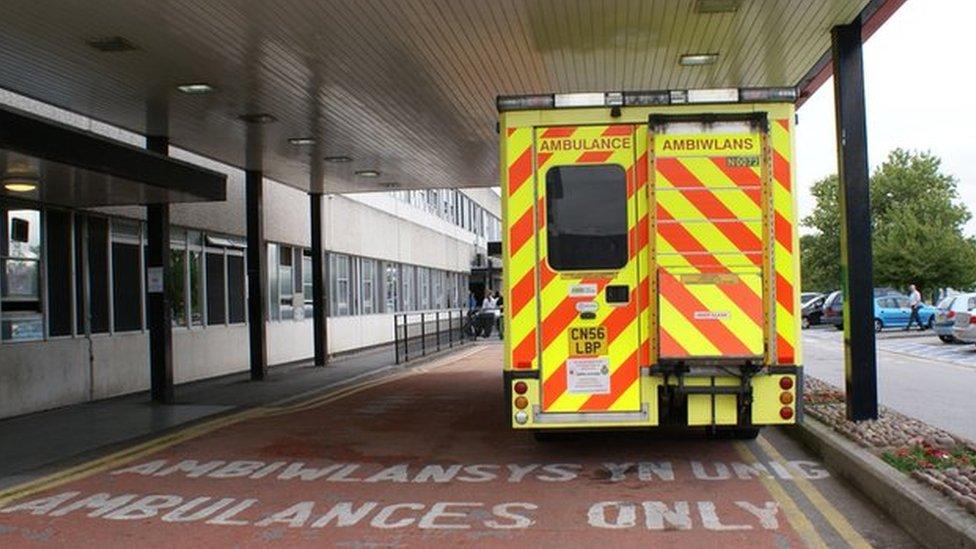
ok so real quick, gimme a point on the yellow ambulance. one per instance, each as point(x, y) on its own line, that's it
point(651, 261)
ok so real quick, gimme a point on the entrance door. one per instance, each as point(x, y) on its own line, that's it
point(588, 268)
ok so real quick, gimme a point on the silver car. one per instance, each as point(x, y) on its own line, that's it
point(945, 316)
point(965, 327)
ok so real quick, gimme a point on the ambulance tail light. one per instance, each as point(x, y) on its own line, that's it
point(786, 383)
point(786, 412)
point(972, 319)
point(521, 387)
point(521, 403)
point(950, 315)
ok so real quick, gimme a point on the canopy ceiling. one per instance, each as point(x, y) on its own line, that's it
point(404, 87)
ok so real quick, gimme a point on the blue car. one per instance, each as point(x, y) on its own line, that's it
point(892, 311)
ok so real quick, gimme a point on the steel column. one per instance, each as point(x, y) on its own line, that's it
point(157, 279)
point(855, 224)
point(320, 335)
point(257, 273)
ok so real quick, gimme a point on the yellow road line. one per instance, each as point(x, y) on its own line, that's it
point(141, 450)
point(829, 512)
point(799, 521)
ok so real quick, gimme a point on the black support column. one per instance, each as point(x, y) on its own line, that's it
point(855, 215)
point(157, 275)
point(257, 273)
point(320, 336)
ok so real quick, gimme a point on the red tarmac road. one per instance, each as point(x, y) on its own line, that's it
point(426, 458)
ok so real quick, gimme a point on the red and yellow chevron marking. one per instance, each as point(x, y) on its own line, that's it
point(519, 250)
point(561, 146)
point(786, 252)
point(648, 284)
point(709, 252)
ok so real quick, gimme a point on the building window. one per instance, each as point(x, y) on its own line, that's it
point(423, 288)
point(407, 283)
point(98, 283)
point(274, 284)
point(216, 287)
point(390, 286)
point(339, 273)
point(177, 276)
point(367, 287)
point(195, 276)
point(20, 275)
point(437, 289)
point(236, 311)
point(126, 276)
point(586, 217)
point(307, 282)
point(60, 289)
point(286, 281)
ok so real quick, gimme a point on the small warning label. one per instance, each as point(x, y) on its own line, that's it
point(712, 315)
point(589, 376)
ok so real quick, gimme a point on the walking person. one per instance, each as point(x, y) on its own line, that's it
point(915, 302)
point(486, 315)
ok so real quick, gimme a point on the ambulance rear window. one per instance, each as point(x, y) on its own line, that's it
point(586, 217)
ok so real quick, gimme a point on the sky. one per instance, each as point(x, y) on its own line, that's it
point(920, 79)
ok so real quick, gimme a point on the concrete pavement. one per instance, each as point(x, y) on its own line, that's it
point(425, 458)
point(918, 376)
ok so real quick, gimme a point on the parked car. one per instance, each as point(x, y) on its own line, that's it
point(807, 296)
point(887, 314)
point(811, 308)
point(946, 311)
point(965, 326)
point(892, 311)
point(832, 311)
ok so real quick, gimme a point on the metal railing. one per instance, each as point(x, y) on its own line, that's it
point(421, 333)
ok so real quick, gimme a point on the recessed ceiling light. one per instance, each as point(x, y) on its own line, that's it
point(302, 141)
point(390, 185)
point(258, 118)
point(368, 173)
point(341, 159)
point(717, 6)
point(19, 186)
point(195, 89)
point(111, 44)
point(697, 59)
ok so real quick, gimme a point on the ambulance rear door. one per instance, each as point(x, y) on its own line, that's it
point(711, 202)
point(588, 270)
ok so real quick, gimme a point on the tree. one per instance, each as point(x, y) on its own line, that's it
point(917, 228)
point(820, 252)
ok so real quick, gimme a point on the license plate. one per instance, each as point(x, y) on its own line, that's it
point(587, 341)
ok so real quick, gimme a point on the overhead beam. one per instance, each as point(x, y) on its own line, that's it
point(55, 142)
point(855, 223)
